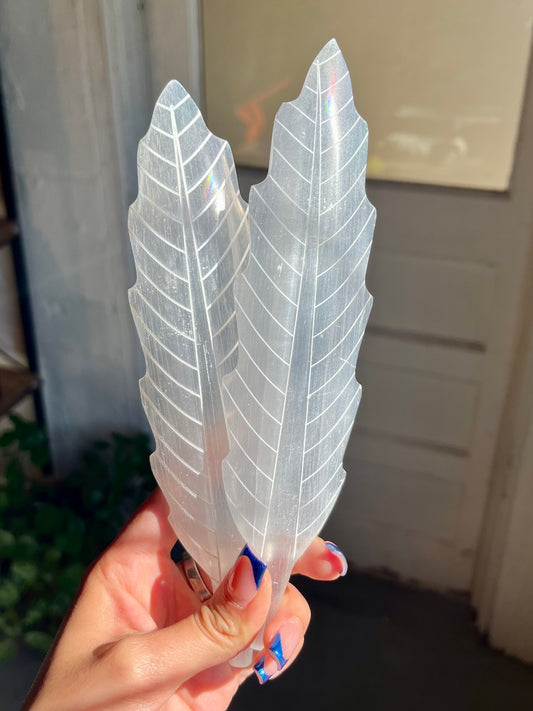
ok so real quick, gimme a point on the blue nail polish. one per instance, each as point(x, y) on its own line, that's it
point(177, 552)
point(260, 671)
point(277, 651)
point(340, 555)
point(258, 566)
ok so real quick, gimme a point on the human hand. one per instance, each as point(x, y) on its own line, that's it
point(139, 638)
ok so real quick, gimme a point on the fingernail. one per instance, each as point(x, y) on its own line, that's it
point(257, 565)
point(245, 579)
point(340, 555)
point(265, 668)
point(286, 641)
point(177, 552)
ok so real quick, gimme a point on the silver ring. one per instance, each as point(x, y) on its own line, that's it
point(194, 578)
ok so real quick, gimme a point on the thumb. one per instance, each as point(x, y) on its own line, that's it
point(216, 632)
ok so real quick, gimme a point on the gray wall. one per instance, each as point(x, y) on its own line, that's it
point(78, 92)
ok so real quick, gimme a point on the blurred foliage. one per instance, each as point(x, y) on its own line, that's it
point(52, 529)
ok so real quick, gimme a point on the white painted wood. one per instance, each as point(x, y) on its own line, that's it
point(390, 453)
point(406, 554)
point(510, 625)
point(407, 500)
point(436, 297)
point(503, 582)
point(421, 355)
point(514, 274)
point(417, 406)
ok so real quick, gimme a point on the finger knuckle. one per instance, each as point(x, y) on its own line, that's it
point(131, 666)
point(219, 625)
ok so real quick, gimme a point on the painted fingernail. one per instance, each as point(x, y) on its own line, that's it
point(257, 565)
point(286, 641)
point(177, 552)
point(340, 555)
point(265, 669)
point(245, 579)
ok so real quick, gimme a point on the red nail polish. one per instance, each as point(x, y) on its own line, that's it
point(339, 555)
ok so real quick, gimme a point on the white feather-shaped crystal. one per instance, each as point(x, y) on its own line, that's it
point(189, 235)
point(302, 307)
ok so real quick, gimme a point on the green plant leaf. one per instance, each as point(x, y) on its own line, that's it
point(60, 604)
point(52, 555)
point(47, 577)
point(52, 529)
point(37, 612)
point(7, 438)
point(8, 649)
point(10, 627)
point(7, 540)
point(40, 641)
point(15, 487)
point(40, 455)
point(75, 525)
point(26, 547)
point(26, 571)
point(9, 594)
point(17, 421)
point(49, 520)
point(20, 523)
point(70, 578)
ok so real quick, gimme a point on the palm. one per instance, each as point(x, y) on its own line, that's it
point(145, 592)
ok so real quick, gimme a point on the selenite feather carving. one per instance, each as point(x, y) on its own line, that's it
point(302, 307)
point(250, 349)
point(189, 234)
